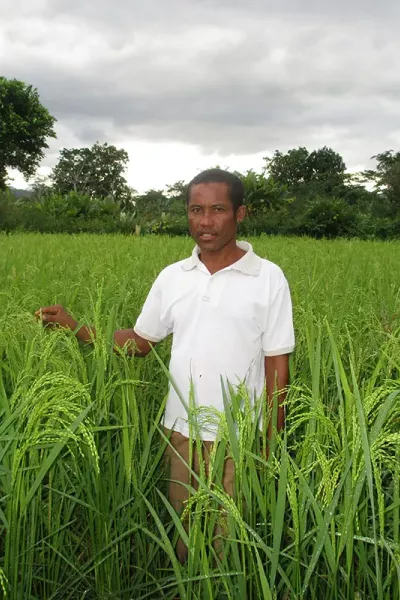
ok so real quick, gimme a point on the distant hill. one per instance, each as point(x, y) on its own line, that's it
point(20, 193)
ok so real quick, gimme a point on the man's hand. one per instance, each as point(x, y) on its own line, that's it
point(277, 374)
point(56, 315)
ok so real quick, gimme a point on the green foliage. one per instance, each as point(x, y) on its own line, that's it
point(150, 205)
point(25, 125)
point(155, 213)
point(263, 194)
point(386, 177)
point(10, 216)
point(97, 172)
point(291, 168)
point(330, 218)
point(177, 192)
point(54, 213)
point(308, 174)
point(355, 193)
point(325, 166)
point(306, 193)
point(83, 505)
point(162, 212)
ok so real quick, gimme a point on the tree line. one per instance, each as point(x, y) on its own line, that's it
point(299, 192)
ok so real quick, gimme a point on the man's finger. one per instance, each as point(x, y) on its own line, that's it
point(47, 318)
point(48, 310)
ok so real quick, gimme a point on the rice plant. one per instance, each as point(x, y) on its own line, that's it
point(84, 511)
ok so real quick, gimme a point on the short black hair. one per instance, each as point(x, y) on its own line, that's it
point(234, 183)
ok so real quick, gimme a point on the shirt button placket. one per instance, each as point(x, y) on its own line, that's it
point(206, 297)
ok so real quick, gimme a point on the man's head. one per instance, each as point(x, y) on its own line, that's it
point(215, 208)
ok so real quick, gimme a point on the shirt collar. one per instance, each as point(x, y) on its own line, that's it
point(249, 264)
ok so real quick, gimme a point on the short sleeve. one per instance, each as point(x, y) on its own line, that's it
point(151, 324)
point(278, 337)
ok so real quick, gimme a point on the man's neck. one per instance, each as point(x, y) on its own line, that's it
point(216, 261)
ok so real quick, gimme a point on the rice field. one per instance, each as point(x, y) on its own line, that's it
point(83, 506)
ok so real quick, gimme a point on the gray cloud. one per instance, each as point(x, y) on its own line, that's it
point(242, 77)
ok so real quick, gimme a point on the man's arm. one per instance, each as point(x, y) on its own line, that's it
point(277, 375)
point(135, 344)
point(58, 315)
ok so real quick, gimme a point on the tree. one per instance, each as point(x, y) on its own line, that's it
point(176, 194)
point(318, 172)
point(41, 187)
point(177, 191)
point(329, 217)
point(97, 172)
point(10, 213)
point(326, 168)
point(150, 206)
point(386, 177)
point(263, 194)
point(25, 125)
point(289, 169)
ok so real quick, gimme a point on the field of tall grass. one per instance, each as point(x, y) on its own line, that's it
point(83, 506)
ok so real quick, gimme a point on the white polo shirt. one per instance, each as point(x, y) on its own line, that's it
point(223, 325)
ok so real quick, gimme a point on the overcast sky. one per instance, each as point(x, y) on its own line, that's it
point(185, 84)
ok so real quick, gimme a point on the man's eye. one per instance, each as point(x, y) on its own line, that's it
point(218, 209)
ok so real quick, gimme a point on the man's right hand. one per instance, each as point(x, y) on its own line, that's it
point(56, 315)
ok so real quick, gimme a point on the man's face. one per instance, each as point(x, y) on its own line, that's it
point(212, 221)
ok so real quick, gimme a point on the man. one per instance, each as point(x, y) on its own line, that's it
point(230, 314)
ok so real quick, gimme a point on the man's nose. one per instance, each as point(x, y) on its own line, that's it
point(206, 219)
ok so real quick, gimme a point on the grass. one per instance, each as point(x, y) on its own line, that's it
point(83, 507)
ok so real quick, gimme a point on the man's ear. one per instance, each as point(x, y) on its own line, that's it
point(240, 214)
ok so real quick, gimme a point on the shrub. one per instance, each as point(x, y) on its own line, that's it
point(329, 218)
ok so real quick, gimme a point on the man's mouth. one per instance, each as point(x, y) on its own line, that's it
point(207, 236)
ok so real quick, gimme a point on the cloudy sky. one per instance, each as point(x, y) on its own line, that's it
point(185, 84)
